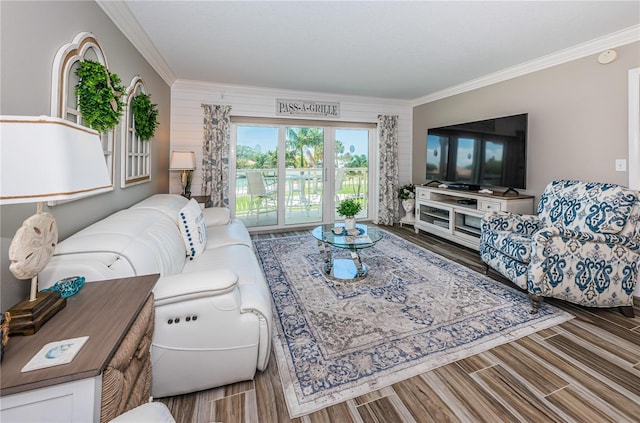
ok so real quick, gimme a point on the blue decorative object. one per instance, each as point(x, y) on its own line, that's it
point(67, 286)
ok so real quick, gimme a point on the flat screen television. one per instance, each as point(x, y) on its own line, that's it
point(486, 153)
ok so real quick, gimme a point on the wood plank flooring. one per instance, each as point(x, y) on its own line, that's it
point(584, 370)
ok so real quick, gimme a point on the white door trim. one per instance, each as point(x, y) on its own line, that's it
point(634, 128)
point(634, 136)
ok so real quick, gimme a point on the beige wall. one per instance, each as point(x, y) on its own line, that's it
point(31, 33)
point(578, 118)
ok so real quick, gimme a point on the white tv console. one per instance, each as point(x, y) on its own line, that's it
point(441, 211)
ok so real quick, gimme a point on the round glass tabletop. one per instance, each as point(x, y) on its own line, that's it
point(362, 237)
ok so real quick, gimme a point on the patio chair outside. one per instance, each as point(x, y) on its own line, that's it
point(262, 198)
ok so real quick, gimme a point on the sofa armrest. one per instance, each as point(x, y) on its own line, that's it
point(258, 302)
point(148, 412)
point(542, 236)
point(188, 286)
point(564, 260)
point(255, 300)
point(216, 216)
point(512, 222)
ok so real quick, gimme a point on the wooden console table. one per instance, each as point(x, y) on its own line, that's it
point(113, 314)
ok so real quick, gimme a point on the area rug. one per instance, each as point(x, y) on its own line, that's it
point(414, 311)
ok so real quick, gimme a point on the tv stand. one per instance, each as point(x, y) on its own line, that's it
point(455, 215)
point(510, 190)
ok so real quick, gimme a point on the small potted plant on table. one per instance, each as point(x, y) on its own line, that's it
point(349, 208)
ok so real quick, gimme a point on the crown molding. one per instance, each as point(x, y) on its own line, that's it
point(121, 16)
point(222, 89)
point(616, 39)
point(119, 13)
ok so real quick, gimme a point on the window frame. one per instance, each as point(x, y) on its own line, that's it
point(133, 148)
point(83, 45)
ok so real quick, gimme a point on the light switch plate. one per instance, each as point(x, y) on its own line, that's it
point(621, 165)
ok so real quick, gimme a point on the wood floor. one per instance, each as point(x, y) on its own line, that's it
point(584, 370)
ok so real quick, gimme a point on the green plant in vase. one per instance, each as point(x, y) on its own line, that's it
point(407, 192)
point(349, 208)
point(407, 196)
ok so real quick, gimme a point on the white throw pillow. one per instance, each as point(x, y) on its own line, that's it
point(193, 228)
point(217, 216)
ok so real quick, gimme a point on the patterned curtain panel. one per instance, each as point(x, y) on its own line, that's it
point(215, 155)
point(389, 209)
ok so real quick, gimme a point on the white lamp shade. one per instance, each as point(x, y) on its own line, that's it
point(46, 159)
point(182, 160)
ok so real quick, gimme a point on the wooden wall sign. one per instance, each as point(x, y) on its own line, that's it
point(307, 108)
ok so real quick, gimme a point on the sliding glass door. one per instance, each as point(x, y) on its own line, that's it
point(352, 168)
point(294, 175)
point(304, 175)
point(256, 175)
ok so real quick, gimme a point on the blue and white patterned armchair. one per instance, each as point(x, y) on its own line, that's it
point(583, 245)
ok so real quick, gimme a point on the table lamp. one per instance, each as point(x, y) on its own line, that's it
point(44, 159)
point(184, 161)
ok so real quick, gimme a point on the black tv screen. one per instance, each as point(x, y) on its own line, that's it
point(489, 153)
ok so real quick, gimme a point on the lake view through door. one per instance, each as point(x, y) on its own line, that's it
point(283, 177)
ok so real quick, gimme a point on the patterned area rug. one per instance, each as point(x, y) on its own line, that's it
point(414, 311)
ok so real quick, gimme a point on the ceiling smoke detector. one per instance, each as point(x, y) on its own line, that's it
point(607, 57)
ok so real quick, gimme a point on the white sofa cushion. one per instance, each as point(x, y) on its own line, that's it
point(147, 240)
point(193, 228)
point(234, 233)
point(169, 204)
point(217, 216)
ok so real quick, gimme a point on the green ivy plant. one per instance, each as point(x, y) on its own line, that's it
point(99, 93)
point(145, 116)
point(349, 207)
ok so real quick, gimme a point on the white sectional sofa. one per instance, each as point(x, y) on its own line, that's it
point(213, 311)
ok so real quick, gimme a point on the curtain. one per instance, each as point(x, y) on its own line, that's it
point(388, 205)
point(215, 155)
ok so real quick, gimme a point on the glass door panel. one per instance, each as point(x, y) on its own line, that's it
point(352, 168)
point(256, 188)
point(296, 175)
point(304, 175)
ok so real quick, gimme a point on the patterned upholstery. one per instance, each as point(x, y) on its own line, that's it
point(583, 245)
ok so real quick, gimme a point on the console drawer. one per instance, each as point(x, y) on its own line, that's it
point(489, 206)
point(422, 195)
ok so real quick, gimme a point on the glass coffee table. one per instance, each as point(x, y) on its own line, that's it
point(350, 269)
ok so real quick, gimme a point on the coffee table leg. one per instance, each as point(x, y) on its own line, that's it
point(358, 262)
point(325, 250)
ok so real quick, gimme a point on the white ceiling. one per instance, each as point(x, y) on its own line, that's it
point(388, 49)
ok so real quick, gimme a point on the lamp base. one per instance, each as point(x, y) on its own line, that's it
point(28, 316)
